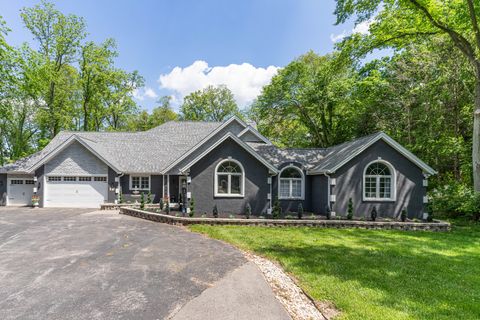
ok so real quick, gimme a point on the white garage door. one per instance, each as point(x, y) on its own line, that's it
point(20, 192)
point(76, 192)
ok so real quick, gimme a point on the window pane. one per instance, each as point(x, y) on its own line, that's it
point(378, 169)
point(296, 188)
point(235, 184)
point(222, 183)
point(385, 188)
point(145, 183)
point(284, 188)
point(370, 187)
point(135, 182)
point(229, 166)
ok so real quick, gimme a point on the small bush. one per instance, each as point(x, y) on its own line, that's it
point(328, 212)
point(142, 201)
point(160, 204)
point(149, 197)
point(121, 199)
point(192, 208)
point(277, 209)
point(248, 211)
point(289, 216)
point(167, 206)
point(350, 209)
point(215, 211)
point(204, 215)
point(430, 213)
point(456, 200)
point(300, 211)
point(404, 215)
point(313, 217)
point(231, 216)
point(373, 214)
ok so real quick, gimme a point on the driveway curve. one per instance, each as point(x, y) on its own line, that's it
point(76, 264)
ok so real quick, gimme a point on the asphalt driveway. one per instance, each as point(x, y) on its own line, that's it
point(76, 264)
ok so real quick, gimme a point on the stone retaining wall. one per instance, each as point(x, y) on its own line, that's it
point(113, 206)
point(393, 225)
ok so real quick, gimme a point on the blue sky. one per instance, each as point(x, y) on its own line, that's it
point(181, 46)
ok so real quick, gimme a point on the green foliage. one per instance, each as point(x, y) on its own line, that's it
point(404, 215)
point(300, 211)
point(430, 213)
point(209, 104)
point(373, 214)
point(248, 211)
point(192, 207)
point(328, 212)
point(161, 204)
point(142, 201)
point(215, 211)
point(167, 206)
point(121, 198)
point(350, 209)
point(456, 200)
point(309, 97)
point(276, 210)
point(149, 197)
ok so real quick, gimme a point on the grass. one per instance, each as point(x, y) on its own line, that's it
point(371, 274)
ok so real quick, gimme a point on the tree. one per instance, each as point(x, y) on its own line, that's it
point(398, 22)
point(306, 104)
point(163, 113)
point(59, 38)
point(209, 104)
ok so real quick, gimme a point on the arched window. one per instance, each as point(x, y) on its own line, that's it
point(229, 179)
point(291, 183)
point(379, 181)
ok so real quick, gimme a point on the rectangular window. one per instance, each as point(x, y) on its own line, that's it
point(70, 179)
point(235, 184)
point(139, 183)
point(370, 187)
point(84, 178)
point(222, 183)
point(385, 192)
point(100, 179)
point(284, 188)
point(16, 181)
point(296, 189)
point(51, 179)
point(29, 182)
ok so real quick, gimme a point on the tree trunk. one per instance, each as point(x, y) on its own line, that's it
point(476, 132)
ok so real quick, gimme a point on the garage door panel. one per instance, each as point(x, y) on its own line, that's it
point(20, 192)
point(76, 194)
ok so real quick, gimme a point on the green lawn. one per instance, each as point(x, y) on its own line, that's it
point(371, 274)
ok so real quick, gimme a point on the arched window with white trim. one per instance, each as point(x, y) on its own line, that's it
point(291, 183)
point(379, 181)
point(229, 179)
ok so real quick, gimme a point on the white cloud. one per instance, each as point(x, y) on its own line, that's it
point(244, 80)
point(362, 28)
point(142, 93)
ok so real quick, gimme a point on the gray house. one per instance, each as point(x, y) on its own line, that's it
point(226, 163)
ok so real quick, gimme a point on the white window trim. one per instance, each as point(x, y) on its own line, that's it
point(242, 183)
point(393, 183)
point(302, 197)
point(140, 176)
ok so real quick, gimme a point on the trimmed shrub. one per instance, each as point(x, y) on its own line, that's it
point(248, 211)
point(161, 204)
point(300, 211)
point(277, 209)
point(430, 213)
point(404, 215)
point(373, 214)
point(328, 211)
point(215, 211)
point(192, 208)
point(149, 197)
point(142, 201)
point(350, 209)
point(121, 199)
point(167, 206)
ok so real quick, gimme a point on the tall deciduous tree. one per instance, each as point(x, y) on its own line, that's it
point(209, 104)
point(397, 22)
point(59, 37)
point(306, 103)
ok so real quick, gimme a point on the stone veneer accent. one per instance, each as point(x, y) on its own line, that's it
point(339, 224)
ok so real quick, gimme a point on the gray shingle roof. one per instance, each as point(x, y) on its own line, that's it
point(139, 152)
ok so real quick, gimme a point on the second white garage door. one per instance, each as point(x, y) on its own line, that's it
point(75, 192)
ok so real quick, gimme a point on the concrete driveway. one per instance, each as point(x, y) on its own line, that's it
point(77, 264)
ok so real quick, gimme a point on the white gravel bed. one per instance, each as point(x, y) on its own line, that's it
point(295, 301)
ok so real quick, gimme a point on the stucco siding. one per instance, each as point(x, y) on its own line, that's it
point(290, 206)
point(409, 186)
point(3, 189)
point(256, 181)
point(234, 127)
point(75, 160)
point(39, 173)
point(319, 194)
